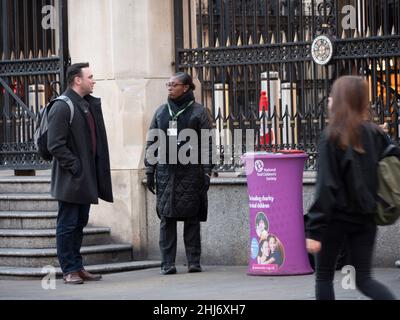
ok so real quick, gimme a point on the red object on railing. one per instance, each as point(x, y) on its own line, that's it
point(263, 106)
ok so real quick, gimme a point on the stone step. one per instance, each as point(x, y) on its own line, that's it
point(13, 273)
point(12, 184)
point(27, 202)
point(46, 238)
point(100, 254)
point(28, 220)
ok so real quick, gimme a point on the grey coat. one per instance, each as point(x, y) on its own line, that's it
point(78, 175)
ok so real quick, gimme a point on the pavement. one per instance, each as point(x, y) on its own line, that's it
point(215, 283)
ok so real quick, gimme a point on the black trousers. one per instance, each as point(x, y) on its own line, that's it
point(71, 220)
point(360, 239)
point(168, 240)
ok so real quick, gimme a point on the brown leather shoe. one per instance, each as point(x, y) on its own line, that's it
point(87, 276)
point(72, 278)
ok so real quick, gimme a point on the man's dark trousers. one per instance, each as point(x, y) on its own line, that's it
point(71, 220)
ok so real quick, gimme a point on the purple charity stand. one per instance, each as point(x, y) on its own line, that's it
point(275, 189)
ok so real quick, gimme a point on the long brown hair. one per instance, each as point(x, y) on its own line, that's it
point(348, 111)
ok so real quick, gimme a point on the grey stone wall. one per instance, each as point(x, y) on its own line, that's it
point(225, 235)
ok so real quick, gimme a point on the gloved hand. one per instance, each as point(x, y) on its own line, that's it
point(150, 182)
point(206, 182)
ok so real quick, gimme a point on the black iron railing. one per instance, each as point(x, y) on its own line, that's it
point(33, 59)
point(283, 129)
point(237, 49)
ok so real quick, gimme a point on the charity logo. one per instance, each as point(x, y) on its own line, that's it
point(259, 166)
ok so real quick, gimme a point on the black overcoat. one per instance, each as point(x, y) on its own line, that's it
point(78, 175)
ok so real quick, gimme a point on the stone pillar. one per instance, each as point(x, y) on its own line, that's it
point(129, 44)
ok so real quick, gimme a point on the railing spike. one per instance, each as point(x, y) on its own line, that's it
point(206, 41)
point(273, 38)
point(283, 37)
point(307, 37)
point(380, 31)
point(309, 72)
point(250, 42)
point(368, 34)
point(261, 39)
point(239, 42)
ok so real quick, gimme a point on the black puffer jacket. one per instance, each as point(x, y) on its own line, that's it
point(180, 188)
point(347, 182)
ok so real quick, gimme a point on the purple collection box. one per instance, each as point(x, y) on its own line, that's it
point(277, 239)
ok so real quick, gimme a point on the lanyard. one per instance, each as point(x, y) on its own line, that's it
point(175, 116)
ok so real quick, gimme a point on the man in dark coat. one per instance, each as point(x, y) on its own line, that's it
point(81, 167)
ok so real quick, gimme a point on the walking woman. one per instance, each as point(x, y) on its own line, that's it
point(181, 187)
point(346, 190)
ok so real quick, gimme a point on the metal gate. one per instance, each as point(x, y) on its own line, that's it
point(292, 50)
point(33, 58)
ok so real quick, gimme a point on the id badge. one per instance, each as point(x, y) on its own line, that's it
point(173, 129)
